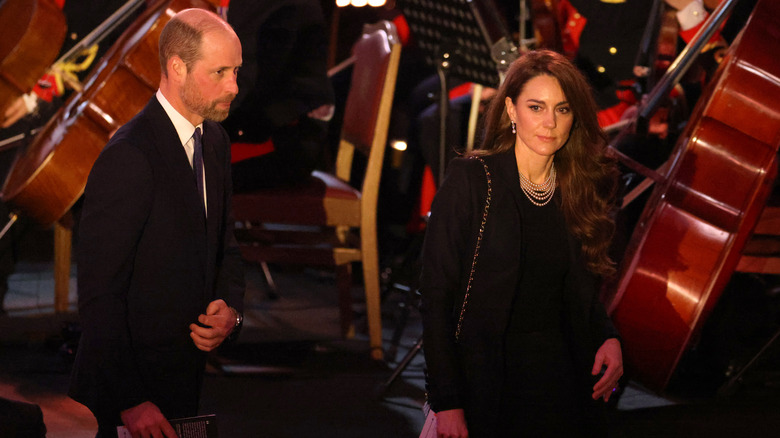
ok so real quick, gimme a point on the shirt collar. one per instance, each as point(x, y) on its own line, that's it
point(184, 129)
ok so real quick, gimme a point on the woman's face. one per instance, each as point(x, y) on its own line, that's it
point(543, 116)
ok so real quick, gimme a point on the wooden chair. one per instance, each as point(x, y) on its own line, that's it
point(327, 222)
point(761, 254)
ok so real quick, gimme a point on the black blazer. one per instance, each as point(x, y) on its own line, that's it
point(468, 373)
point(149, 262)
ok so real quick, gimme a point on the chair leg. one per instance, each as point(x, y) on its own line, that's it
point(344, 285)
point(273, 292)
point(730, 387)
point(373, 301)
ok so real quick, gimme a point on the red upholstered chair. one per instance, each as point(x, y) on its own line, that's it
point(326, 222)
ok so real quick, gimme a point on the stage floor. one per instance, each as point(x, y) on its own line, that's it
point(291, 374)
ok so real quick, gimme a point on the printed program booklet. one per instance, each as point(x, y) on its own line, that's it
point(202, 426)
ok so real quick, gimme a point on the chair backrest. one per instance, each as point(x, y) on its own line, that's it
point(369, 101)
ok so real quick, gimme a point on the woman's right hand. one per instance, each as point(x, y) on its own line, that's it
point(451, 424)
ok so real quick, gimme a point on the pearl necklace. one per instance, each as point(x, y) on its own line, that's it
point(539, 194)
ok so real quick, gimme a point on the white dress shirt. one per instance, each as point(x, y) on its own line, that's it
point(185, 130)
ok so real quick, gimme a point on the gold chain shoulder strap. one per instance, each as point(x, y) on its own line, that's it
point(476, 250)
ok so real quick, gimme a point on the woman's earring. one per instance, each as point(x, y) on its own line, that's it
point(513, 126)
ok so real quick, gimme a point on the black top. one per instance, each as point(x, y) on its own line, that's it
point(537, 305)
point(540, 396)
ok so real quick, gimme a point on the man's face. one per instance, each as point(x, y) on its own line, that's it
point(210, 85)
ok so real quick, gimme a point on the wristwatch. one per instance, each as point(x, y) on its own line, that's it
point(237, 327)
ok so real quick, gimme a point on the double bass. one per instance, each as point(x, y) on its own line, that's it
point(690, 236)
point(47, 180)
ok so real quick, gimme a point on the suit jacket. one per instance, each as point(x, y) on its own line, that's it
point(468, 373)
point(149, 262)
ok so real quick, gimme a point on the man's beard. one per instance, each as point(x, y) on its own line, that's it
point(191, 97)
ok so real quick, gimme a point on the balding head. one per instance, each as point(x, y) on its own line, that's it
point(183, 34)
point(200, 56)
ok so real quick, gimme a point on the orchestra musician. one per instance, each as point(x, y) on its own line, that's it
point(285, 95)
point(160, 277)
point(604, 38)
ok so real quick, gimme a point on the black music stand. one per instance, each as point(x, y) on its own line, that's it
point(466, 39)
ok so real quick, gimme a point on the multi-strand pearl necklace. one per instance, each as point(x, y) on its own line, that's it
point(539, 194)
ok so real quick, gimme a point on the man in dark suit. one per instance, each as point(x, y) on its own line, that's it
point(159, 278)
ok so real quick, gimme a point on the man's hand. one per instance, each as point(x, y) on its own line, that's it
point(15, 111)
point(215, 326)
point(146, 420)
point(323, 112)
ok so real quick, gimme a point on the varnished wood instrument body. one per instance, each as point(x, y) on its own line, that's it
point(688, 240)
point(50, 176)
point(32, 34)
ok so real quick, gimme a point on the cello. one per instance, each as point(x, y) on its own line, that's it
point(48, 179)
point(689, 238)
point(33, 32)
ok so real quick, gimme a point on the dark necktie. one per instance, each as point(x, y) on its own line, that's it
point(197, 162)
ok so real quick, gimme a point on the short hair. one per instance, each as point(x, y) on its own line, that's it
point(182, 37)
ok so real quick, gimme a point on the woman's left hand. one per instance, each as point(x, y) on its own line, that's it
point(609, 355)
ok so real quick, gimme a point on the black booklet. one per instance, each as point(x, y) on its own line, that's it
point(202, 426)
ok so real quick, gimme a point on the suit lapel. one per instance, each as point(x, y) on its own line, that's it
point(213, 170)
point(215, 187)
point(180, 173)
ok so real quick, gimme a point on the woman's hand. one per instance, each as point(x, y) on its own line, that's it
point(451, 424)
point(609, 355)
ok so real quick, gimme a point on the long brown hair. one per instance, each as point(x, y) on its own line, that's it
point(587, 178)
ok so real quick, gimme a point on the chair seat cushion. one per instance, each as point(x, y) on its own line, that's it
point(321, 200)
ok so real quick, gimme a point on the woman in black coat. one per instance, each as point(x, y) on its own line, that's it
point(515, 335)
